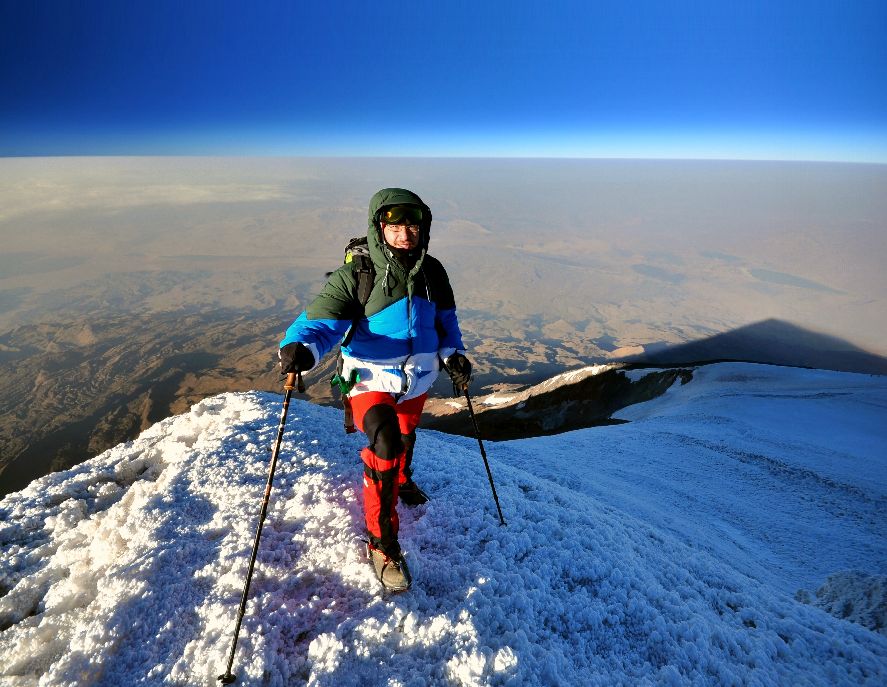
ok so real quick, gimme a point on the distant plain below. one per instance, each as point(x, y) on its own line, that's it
point(132, 287)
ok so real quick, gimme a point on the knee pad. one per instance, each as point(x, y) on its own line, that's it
point(383, 431)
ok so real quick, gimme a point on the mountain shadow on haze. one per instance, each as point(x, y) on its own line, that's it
point(770, 341)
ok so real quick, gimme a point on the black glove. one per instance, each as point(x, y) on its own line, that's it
point(459, 369)
point(295, 357)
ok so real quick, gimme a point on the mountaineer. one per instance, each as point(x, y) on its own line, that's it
point(396, 312)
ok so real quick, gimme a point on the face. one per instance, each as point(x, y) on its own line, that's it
point(405, 237)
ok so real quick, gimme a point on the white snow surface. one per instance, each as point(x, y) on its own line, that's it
point(638, 374)
point(665, 551)
point(494, 400)
point(573, 376)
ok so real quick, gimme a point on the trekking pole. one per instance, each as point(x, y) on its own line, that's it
point(483, 453)
point(227, 678)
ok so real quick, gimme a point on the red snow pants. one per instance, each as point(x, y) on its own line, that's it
point(390, 429)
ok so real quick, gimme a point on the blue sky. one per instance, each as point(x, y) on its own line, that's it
point(679, 79)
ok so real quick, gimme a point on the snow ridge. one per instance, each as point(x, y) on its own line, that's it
point(128, 569)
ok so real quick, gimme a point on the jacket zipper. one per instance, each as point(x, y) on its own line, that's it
point(404, 387)
point(403, 367)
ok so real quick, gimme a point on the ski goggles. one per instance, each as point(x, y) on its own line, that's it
point(408, 215)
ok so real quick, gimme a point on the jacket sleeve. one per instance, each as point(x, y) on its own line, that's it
point(326, 320)
point(445, 320)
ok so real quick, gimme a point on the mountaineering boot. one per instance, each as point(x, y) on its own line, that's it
point(411, 495)
point(392, 573)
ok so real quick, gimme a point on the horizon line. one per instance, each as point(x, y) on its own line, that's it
point(364, 156)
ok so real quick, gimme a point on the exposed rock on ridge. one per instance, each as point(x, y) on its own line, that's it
point(580, 398)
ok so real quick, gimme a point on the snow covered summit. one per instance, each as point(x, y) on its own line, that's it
point(668, 550)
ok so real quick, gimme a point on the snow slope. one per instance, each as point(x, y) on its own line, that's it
point(663, 551)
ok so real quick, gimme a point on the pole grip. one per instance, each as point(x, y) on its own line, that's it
point(294, 381)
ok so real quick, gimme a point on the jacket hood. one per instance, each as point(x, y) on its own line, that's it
point(385, 198)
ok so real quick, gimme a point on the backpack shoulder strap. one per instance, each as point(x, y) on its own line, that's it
point(357, 253)
point(366, 275)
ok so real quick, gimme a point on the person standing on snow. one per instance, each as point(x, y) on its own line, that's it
point(399, 337)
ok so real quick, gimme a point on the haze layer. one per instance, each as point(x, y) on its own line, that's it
point(132, 287)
